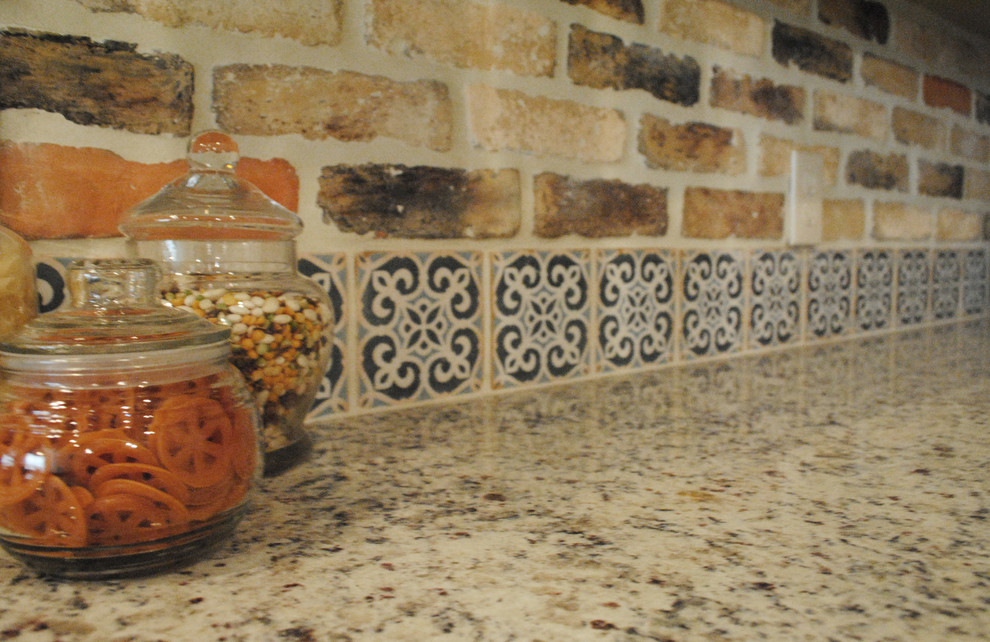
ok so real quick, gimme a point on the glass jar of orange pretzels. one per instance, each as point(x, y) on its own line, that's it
point(230, 257)
point(129, 444)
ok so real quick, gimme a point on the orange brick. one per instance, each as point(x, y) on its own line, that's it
point(941, 92)
point(54, 191)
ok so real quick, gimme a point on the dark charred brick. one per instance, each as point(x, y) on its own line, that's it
point(602, 61)
point(597, 208)
point(983, 108)
point(420, 202)
point(107, 84)
point(628, 10)
point(942, 92)
point(863, 18)
point(812, 52)
point(875, 171)
point(757, 97)
point(940, 179)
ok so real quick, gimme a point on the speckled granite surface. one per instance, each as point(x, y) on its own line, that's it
point(839, 491)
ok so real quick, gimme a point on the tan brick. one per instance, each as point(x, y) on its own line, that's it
point(90, 83)
point(850, 115)
point(901, 222)
point(470, 35)
point(312, 22)
point(267, 100)
point(914, 128)
point(956, 225)
point(970, 144)
point(420, 202)
point(775, 157)
point(502, 119)
point(878, 171)
point(843, 220)
point(714, 23)
point(977, 184)
point(597, 208)
point(917, 40)
point(761, 98)
point(691, 147)
point(52, 191)
point(628, 10)
point(940, 179)
point(718, 214)
point(942, 92)
point(889, 76)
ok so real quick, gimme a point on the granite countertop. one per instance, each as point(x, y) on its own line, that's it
point(838, 491)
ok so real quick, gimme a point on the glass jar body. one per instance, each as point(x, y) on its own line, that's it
point(280, 324)
point(115, 466)
point(17, 289)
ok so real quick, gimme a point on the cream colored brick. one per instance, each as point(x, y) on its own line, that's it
point(715, 23)
point(970, 144)
point(901, 222)
point(843, 219)
point(470, 34)
point(311, 22)
point(267, 100)
point(502, 119)
point(914, 128)
point(850, 115)
point(889, 76)
point(957, 225)
point(800, 7)
point(775, 157)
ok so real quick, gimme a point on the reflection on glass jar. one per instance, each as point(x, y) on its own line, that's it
point(128, 442)
point(229, 255)
point(17, 289)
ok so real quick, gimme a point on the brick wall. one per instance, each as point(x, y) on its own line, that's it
point(563, 157)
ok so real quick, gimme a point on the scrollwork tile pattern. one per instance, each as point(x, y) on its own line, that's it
point(429, 326)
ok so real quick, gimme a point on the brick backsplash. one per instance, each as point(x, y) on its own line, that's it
point(540, 190)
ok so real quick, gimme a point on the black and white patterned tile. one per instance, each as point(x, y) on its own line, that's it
point(329, 271)
point(946, 284)
point(830, 293)
point(541, 316)
point(874, 290)
point(712, 299)
point(913, 286)
point(635, 308)
point(775, 298)
point(974, 286)
point(419, 331)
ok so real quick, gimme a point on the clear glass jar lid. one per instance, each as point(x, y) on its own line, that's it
point(115, 317)
point(211, 202)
